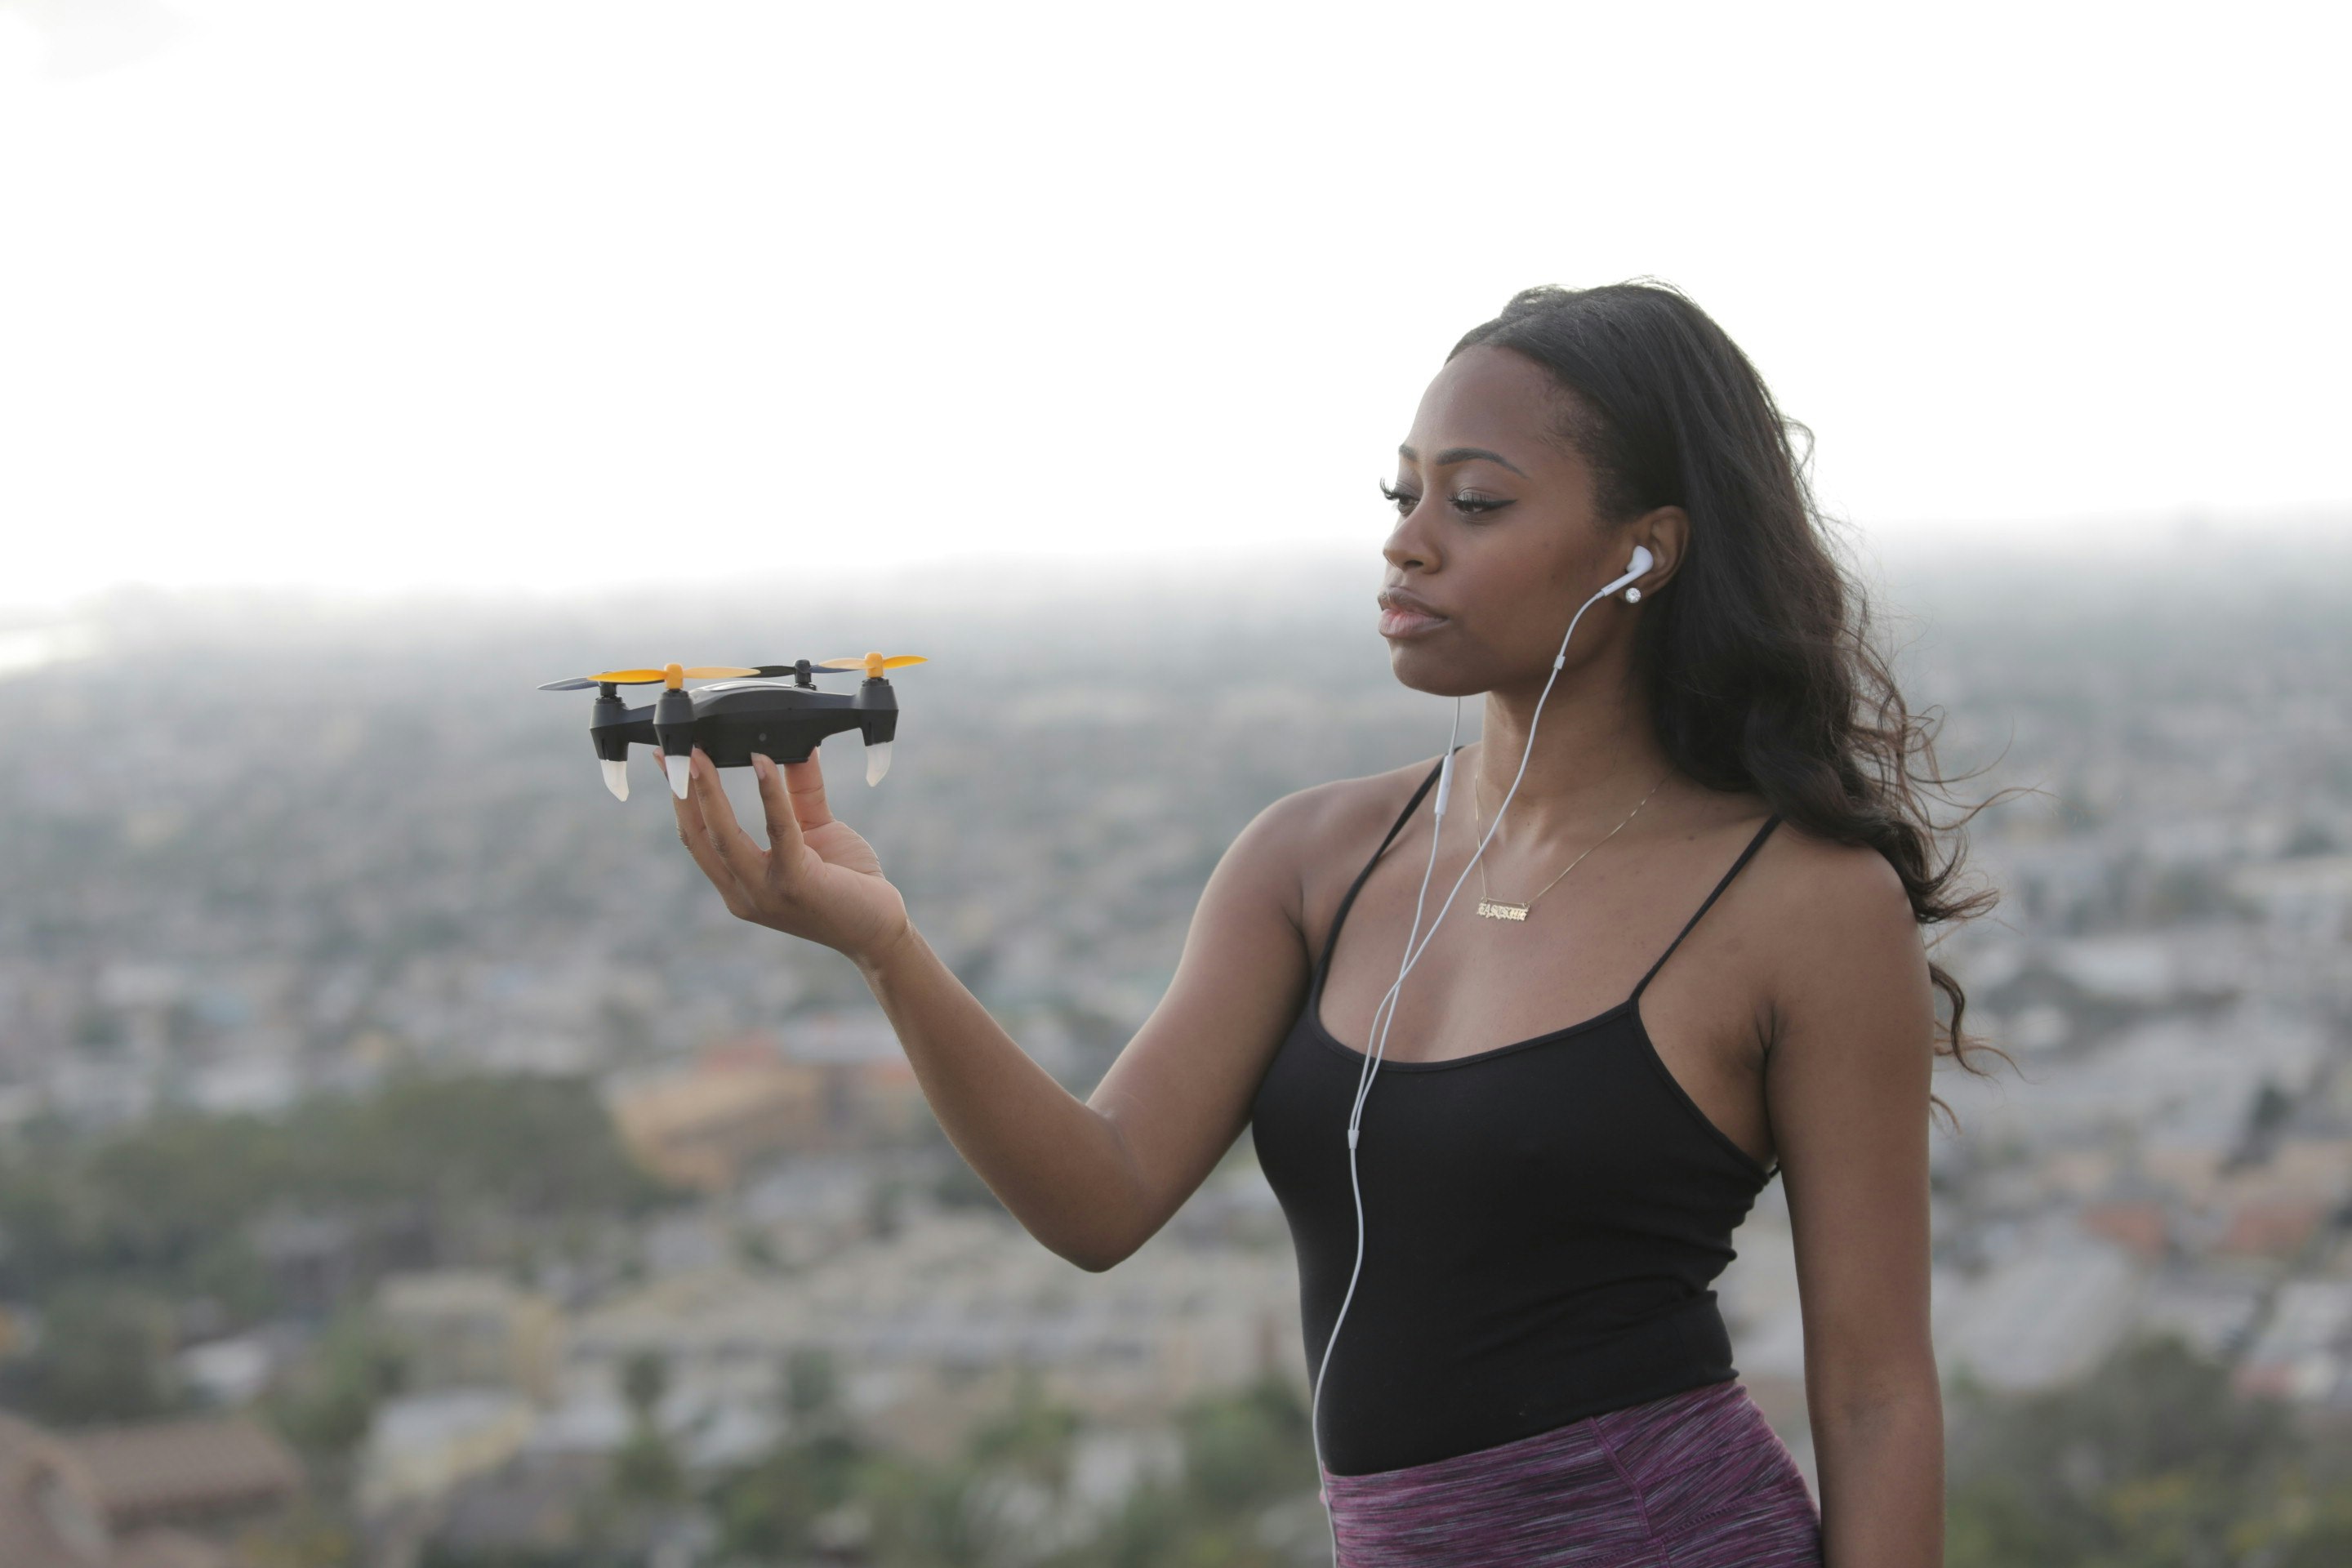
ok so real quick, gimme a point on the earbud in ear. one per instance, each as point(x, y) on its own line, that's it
point(1642, 560)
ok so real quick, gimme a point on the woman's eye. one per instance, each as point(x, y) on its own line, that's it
point(1404, 501)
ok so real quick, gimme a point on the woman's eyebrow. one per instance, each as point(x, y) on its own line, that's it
point(1453, 455)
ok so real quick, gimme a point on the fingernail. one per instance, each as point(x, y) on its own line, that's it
point(765, 764)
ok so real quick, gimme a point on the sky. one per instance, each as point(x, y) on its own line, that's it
point(520, 294)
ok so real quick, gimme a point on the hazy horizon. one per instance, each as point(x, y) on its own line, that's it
point(2154, 541)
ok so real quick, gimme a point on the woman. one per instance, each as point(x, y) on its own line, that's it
point(1532, 1368)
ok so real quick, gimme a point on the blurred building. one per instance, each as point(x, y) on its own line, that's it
point(50, 1512)
point(2040, 1318)
point(420, 1447)
point(883, 1096)
point(2213, 1314)
point(471, 1328)
point(534, 1509)
point(2309, 894)
point(2301, 1352)
point(154, 1495)
point(2139, 1225)
point(826, 1086)
point(737, 1103)
point(216, 1476)
point(2273, 1228)
point(929, 1322)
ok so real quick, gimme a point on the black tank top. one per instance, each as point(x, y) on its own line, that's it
point(1543, 1224)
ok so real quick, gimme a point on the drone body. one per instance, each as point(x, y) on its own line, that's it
point(777, 712)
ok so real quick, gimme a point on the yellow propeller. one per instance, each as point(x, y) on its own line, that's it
point(873, 664)
point(672, 675)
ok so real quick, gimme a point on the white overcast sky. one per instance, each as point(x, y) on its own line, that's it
point(482, 293)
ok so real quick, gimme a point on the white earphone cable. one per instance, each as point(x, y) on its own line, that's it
point(1363, 1082)
point(1384, 1015)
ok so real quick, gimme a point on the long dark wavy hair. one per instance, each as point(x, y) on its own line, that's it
point(1762, 671)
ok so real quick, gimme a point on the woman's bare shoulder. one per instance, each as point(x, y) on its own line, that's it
point(1343, 811)
point(1317, 838)
point(1831, 888)
point(1833, 917)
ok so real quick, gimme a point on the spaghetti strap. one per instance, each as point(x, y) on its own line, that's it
point(1745, 855)
point(1349, 902)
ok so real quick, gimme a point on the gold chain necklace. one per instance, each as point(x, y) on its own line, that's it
point(1496, 909)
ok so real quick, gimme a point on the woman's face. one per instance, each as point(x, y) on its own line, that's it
point(1498, 540)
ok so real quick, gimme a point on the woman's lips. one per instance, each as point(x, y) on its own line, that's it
point(1407, 622)
point(1402, 615)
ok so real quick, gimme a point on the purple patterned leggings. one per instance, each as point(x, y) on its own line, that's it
point(1697, 1479)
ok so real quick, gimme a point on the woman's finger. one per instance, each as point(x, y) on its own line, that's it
point(695, 834)
point(746, 859)
point(784, 844)
point(805, 780)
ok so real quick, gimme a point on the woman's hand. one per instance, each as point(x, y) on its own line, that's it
point(817, 879)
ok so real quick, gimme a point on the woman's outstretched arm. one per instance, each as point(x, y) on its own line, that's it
point(1093, 1179)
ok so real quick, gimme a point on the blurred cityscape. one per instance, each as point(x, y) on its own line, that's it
point(404, 1160)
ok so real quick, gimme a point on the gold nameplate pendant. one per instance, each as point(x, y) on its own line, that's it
point(1495, 910)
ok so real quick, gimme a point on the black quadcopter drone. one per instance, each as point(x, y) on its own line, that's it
point(774, 709)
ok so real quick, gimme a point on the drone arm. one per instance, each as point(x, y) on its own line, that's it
point(613, 731)
point(608, 726)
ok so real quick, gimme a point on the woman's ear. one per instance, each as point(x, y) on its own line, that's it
point(1666, 534)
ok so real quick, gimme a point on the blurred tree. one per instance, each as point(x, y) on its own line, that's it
point(645, 1471)
point(1148, 1532)
point(1250, 1448)
point(103, 1354)
point(2152, 1459)
point(1004, 1498)
point(811, 1383)
point(308, 1537)
point(325, 1408)
point(769, 1513)
point(167, 1207)
point(623, 1031)
point(2311, 839)
point(1033, 1438)
point(934, 1516)
point(644, 1378)
point(1245, 1453)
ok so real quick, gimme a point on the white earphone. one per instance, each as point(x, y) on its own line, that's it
point(1642, 560)
point(1415, 943)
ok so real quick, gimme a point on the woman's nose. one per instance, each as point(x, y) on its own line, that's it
point(1406, 548)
